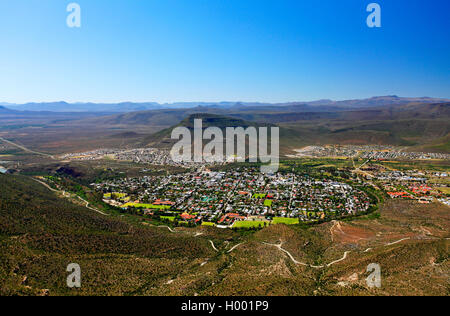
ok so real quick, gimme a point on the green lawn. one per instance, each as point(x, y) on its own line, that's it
point(268, 203)
point(208, 224)
point(284, 220)
point(444, 190)
point(115, 194)
point(249, 224)
point(259, 195)
point(148, 206)
point(170, 218)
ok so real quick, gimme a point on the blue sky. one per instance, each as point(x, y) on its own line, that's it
point(216, 50)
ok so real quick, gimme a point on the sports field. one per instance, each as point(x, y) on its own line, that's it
point(284, 220)
point(444, 190)
point(259, 195)
point(147, 206)
point(115, 195)
point(170, 218)
point(250, 224)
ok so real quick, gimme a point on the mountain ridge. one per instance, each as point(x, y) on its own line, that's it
point(418, 125)
point(121, 107)
point(162, 139)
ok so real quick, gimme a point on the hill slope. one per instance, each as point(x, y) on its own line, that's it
point(163, 139)
point(424, 126)
point(40, 234)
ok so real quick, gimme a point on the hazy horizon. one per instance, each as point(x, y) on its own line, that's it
point(222, 101)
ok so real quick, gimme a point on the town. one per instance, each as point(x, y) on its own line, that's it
point(243, 197)
point(422, 186)
point(247, 198)
point(378, 152)
point(157, 157)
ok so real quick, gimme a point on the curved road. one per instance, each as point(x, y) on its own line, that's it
point(68, 195)
point(280, 247)
point(214, 247)
point(196, 235)
point(231, 250)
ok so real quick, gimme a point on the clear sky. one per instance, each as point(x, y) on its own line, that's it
point(222, 50)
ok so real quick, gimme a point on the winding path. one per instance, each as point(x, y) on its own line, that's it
point(170, 229)
point(286, 252)
point(196, 235)
point(65, 194)
point(280, 247)
point(331, 263)
point(398, 241)
point(45, 185)
point(339, 260)
point(91, 208)
point(229, 251)
point(214, 247)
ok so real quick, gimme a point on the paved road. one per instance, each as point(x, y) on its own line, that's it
point(25, 149)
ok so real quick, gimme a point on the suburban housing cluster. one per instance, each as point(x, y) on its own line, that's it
point(423, 186)
point(236, 197)
point(154, 156)
point(376, 152)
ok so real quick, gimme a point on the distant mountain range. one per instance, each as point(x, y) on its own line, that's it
point(125, 107)
point(423, 126)
point(420, 124)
